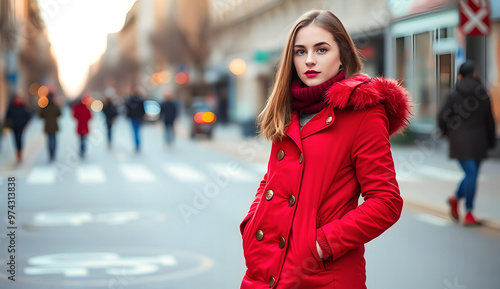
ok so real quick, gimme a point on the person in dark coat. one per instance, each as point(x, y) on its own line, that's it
point(49, 114)
point(18, 116)
point(169, 114)
point(135, 111)
point(110, 112)
point(82, 114)
point(466, 120)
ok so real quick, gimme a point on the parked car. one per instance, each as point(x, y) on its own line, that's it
point(203, 119)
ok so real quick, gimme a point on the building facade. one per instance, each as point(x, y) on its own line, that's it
point(25, 53)
point(417, 41)
point(427, 48)
point(256, 31)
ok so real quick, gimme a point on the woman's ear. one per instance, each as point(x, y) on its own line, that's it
point(460, 76)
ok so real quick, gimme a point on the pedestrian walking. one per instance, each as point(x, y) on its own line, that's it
point(49, 114)
point(110, 112)
point(82, 115)
point(17, 118)
point(329, 127)
point(135, 111)
point(467, 121)
point(169, 114)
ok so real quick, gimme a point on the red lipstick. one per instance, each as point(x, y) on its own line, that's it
point(311, 73)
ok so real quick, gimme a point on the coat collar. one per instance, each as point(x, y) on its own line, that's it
point(361, 92)
point(357, 93)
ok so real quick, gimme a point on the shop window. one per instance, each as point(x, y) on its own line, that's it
point(403, 60)
point(424, 80)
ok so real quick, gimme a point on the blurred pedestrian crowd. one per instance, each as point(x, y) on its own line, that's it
point(20, 112)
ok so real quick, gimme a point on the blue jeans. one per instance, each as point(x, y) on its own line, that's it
point(169, 134)
point(467, 188)
point(136, 126)
point(18, 138)
point(51, 139)
point(83, 141)
point(109, 125)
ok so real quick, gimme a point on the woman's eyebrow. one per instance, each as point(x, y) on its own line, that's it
point(315, 45)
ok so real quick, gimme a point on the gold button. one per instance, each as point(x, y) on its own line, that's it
point(260, 235)
point(269, 195)
point(281, 155)
point(271, 282)
point(329, 120)
point(301, 158)
point(282, 243)
point(291, 200)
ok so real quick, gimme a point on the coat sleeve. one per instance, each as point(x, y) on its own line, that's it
point(445, 115)
point(490, 125)
point(255, 203)
point(372, 161)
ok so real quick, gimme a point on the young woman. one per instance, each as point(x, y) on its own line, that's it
point(330, 130)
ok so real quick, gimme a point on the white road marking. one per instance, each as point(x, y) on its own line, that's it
point(137, 173)
point(440, 174)
point(60, 218)
point(260, 169)
point(90, 174)
point(407, 179)
point(235, 173)
point(185, 173)
point(79, 264)
point(433, 220)
point(121, 156)
point(41, 175)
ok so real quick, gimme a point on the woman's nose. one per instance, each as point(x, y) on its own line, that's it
point(310, 59)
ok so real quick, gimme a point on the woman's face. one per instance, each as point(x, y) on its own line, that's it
point(316, 55)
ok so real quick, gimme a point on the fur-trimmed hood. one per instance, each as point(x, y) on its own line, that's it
point(361, 91)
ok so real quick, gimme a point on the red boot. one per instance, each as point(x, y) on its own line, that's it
point(454, 208)
point(19, 156)
point(470, 220)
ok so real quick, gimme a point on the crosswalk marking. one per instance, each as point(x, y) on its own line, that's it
point(137, 173)
point(42, 175)
point(184, 172)
point(238, 174)
point(90, 174)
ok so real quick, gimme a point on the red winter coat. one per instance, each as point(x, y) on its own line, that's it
point(311, 190)
point(82, 115)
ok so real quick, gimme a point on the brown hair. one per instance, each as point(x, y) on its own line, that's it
point(275, 117)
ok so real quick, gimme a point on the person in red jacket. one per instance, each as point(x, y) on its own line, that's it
point(82, 115)
point(330, 127)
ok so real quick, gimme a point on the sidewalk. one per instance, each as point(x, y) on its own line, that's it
point(427, 177)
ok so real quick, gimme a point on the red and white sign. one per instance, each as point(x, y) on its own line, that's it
point(475, 17)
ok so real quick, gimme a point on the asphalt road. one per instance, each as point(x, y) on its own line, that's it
point(168, 218)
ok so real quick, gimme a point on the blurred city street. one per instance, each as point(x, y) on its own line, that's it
point(168, 218)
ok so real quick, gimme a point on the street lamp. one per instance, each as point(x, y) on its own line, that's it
point(237, 66)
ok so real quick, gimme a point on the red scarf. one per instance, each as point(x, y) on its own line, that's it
point(311, 99)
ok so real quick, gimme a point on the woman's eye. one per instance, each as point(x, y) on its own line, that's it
point(300, 52)
point(322, 50)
